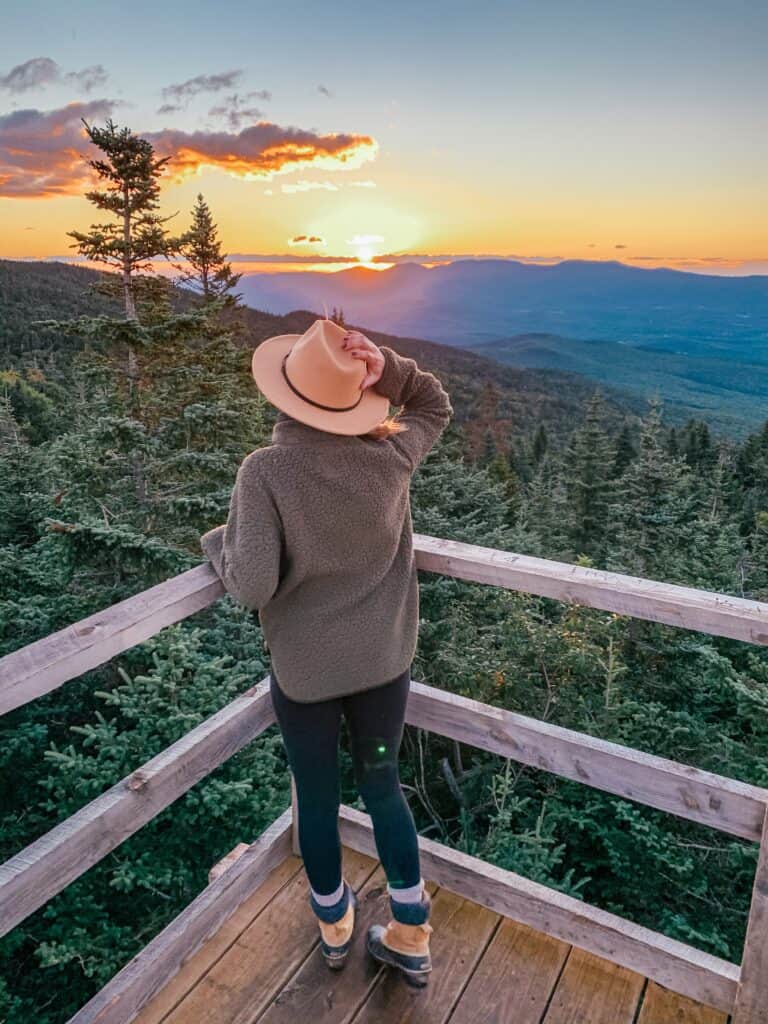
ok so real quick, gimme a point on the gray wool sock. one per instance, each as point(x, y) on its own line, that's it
point(411, 895)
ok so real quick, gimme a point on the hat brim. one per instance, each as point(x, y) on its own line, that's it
point(268, 374)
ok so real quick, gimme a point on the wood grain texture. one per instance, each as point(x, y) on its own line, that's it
point(660, 1006)
point(462, 931)
point(700, 610)
point(594, 990)
point(40, 667)
point(715, 800)
point(185, 979)
point(256, 967)
point(133, 987)
point(48, 865)
point(227, 861)
point(674, 964)
point(751, 1005)
point(515, 978)
point(314, 993)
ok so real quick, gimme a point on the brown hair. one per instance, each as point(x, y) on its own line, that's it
point(391, 425)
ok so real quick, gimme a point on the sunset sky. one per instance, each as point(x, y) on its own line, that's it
point(349, 131)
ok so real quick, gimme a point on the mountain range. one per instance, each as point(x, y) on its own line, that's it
point(697, 341)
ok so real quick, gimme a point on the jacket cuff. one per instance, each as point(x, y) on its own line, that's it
point(391, 381)
point(212, 544)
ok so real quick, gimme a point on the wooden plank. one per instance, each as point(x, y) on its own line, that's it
point(701, 610)
point(158, 1008)
point(314, 992)
point(660, 1006)
point(226, 862)
point(674, 964)
point(244, 981)
point(462, 932)
point(40, 667)
point(515, 978)
point(714, 800)
point(48, 865)
point(592, 989)
point(134, 986)
point(751, 1005)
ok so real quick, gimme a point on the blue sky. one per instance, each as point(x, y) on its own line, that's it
point(542, 130)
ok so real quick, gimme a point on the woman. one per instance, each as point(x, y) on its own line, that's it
point(318, 542)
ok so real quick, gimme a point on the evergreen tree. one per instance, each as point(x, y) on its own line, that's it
point(625, 452)
point(588, 471)
point(211, 275)
point(539, 444)
point(489, 451)
point(136, 236)
point(650, 518)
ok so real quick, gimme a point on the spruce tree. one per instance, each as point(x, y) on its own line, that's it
point(589, 465)
point(650, 517)
point(136, 236)
point(539, 444)
point(210, 276)
point(625, 452)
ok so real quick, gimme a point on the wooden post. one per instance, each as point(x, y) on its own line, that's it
point(294, 819)
point(751, 1005)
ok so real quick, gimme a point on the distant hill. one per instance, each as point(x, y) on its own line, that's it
point(472, 302)
point(699, 341)
point(483, 391)
point(732, 396)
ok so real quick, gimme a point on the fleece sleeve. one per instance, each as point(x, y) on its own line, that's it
point(246, 551)
point(427, 406)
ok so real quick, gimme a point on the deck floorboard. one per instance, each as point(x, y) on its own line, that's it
point(264, 966)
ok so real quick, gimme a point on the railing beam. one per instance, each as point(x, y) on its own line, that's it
point(713, 800)
point(701, 610)
point(752, 993)
point(48, 865)
point(44, 665)
point(133, 987)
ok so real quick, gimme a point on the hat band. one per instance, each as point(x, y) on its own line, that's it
point(328, 408)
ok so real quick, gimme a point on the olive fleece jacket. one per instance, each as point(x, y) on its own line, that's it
point(319, 541)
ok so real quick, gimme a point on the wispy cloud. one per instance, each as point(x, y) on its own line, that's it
point(307, 186)
point(182, 92)
point(43, 71)
point(325, 92)
point(234, 112)
point(307, 240)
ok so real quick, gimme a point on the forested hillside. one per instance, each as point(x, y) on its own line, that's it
point(119, 446)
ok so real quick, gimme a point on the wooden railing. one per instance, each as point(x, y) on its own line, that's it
point(48, 865)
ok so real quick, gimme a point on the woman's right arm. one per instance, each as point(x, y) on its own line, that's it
point(427, 405)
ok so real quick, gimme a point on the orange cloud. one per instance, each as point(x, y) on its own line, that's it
point(260, 150)
point(45, 153)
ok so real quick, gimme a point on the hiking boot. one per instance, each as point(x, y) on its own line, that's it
point(336, 926)
point(404, 942)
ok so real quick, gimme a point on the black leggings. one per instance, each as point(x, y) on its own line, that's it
point(375, 719)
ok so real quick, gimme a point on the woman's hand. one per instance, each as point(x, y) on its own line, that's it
point(356, 343)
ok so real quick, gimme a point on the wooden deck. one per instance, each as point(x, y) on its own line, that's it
point(264, 964)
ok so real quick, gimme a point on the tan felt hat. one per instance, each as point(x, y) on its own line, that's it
point(312, 378)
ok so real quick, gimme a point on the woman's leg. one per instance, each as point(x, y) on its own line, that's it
point(375, 719)
point(311, 737)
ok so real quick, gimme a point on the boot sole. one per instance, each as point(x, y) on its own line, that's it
point(415, 969)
